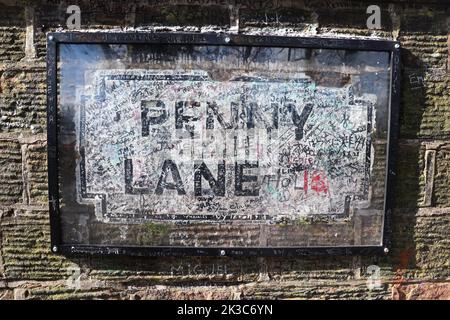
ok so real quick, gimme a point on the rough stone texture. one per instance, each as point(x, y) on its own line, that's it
point(22, 103)
point(442, 180)
point(10, 170)
point(12, 32)
point(34, 170)
point(422, 291)
point(417, 266)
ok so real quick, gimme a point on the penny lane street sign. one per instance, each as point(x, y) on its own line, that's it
point(245, 139)
point(203, 144)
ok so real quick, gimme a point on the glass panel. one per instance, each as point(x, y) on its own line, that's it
point(222, 146)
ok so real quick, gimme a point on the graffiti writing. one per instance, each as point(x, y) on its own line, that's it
point(165, 145)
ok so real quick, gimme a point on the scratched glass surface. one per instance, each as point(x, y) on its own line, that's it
point(230, 146)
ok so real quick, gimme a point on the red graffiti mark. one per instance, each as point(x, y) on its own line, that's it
point(319, 182)
point(305, 181)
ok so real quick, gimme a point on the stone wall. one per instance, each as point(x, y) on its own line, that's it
point(419, 261)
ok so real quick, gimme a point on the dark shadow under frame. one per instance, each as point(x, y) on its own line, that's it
point(53, 39)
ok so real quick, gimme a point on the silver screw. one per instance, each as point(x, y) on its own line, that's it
point(222, 252)
point(397, 46)
point(386, 250)
point(50, 37)
point(227, 39)
point(55, 249)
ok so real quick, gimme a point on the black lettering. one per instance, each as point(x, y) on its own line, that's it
point(128, 176)
point(250, 110)
point(181, 117)
point(217, 186)
point(129, 189)
point(212, 110)
point(274, 116)
point(300, 120)
point(169, 165)
point(147, 109)
point(240, 178)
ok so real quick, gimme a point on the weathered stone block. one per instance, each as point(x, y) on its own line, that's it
point(409, 175)
point(353, 18)
point(424, 106)
point(25, 247)
point(6, 294)
point(10, 171)
point(442, 177)
point(279, 17)
point(432, 247)
point(23, 99)
point(35, 167)
point(183, 15)
point(422, 291)
point(425, 20)
point(12, 40)
point(12, 33)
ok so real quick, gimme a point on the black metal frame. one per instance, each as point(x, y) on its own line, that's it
point(53, 39)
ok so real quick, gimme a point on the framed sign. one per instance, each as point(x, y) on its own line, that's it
point(212, 144)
